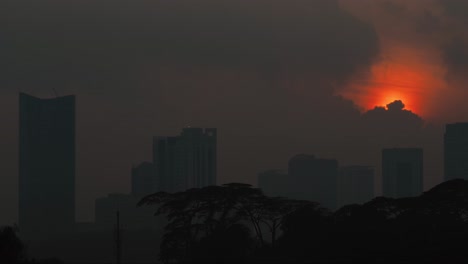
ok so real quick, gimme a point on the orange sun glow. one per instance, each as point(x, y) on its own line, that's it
point(407, 78)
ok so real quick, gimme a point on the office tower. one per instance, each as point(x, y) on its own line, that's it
point(355, 185)
point(402, 172)
point(46, 163)
point(274, 183)
point(143, 180)
point(185, 161)
point(164, 162)
point(314, 179)
point(456, 151)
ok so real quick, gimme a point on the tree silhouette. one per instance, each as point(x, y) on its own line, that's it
point(11, 247)
point(230, 223)
point(199, 215)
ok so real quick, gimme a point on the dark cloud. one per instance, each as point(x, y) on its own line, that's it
point(456, 50)
point(393, 120)
point(456, 57)
point(428, 23)
point(396, 105)
point(394, 8)
point(99, 43)
point(424, 20)
point(455, 8)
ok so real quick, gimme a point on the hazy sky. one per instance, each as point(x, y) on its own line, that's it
point(276, 77)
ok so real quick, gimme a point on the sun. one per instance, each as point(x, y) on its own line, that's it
point(387, 83)
point(389, 95)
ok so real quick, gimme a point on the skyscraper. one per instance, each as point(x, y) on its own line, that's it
point(185, 161)
point(355, 185)
point(456, 151)
point(46, 162)
point(314, 179)
point(402, 172)
point(143, 179)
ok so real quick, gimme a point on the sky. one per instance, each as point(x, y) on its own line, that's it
point(276, 77)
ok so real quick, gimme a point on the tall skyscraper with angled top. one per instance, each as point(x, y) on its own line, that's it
point(46, 163)
point(456, 151)
point(185, 161)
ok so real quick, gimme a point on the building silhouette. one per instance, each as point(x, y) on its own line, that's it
point(143, 179)
point(355, 185)
point(456, 151)
point(314, 179)
point(402, 172)
point(132, 216)
point(46, 163)
point(274, 183)
point(185, 161)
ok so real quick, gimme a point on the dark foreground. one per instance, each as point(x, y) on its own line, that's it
point(236, 223)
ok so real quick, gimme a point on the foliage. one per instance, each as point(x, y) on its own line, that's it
point(199, 217)
point(11, 247)
point(236, 223)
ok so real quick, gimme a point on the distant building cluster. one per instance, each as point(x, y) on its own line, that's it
point(189, 160)
point(323, 181)
point(179, 163)
point(47, 170)
point(320, 180)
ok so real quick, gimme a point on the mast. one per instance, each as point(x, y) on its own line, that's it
point(118, 242)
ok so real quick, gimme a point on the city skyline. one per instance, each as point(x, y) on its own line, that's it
point(377, 186)
point(276, 78)
point(236, 131)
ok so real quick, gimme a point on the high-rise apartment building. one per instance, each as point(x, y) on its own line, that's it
point(46, 163)
point(402, 172)
point(355, 185)
point(456, 151)
point(314, 179)
point(185, 161)
point(143, 180)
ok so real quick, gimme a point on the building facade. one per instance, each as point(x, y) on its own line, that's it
point(314, 179)
point(143, 179)
point(355, 185)
point(402, 172)
point(456, 151)
point(185, 161)
point(46, 163)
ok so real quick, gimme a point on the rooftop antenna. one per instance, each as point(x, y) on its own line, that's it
point(118, 240)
